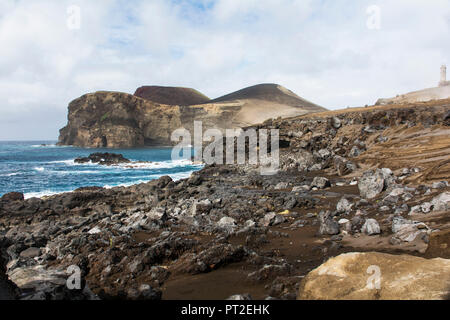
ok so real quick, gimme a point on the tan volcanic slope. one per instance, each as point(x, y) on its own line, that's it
point(266, 101)
point(120, 120)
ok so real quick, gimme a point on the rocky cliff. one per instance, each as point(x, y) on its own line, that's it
point(120, 120)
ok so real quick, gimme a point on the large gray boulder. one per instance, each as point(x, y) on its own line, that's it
point(227, 223)
point(407, 230)
point(371, 227)
point(344, 205)
point(441, 202)
point(335, 122)
point(305, 159)
point(327, 225)
point(320, 182)
point(371, 184)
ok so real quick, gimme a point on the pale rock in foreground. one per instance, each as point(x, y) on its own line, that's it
point(40, 283)
point(227, 223)
point(352, 276)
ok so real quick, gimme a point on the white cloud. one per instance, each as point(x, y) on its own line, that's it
point(322, 50)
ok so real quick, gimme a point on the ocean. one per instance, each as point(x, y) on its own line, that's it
point(40, 168)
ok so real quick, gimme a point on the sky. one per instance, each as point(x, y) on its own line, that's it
point(335, 53)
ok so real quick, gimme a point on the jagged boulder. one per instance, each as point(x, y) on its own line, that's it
point(371, 184)
point(327, 225)
point(344, 205)
point(305, 160)
point(371, 227)
point(441, 202)
point(320, 183)
point(343, 166)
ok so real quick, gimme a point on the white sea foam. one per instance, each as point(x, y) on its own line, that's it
point(66, 162)
point(39, 169)
point(44, 146)
point(62, 173)
point(41, 194)
point(181, 175)
point(10, 174)
point(127, 184)
point(159, 165)
point(137, 164)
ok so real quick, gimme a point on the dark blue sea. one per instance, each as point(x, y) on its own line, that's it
point(39, 168)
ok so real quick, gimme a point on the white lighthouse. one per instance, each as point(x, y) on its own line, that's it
point(444, 81)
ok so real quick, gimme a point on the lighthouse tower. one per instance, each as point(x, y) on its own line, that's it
point(444, 81)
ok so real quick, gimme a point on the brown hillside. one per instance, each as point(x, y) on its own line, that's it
point(171, 95)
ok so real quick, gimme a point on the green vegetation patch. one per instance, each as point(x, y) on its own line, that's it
point(104, 117)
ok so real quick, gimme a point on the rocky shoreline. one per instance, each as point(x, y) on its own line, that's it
point(364, 180)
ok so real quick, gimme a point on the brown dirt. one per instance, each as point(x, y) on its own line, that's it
point(426, 148)
point(439, 245)
point(301, 248)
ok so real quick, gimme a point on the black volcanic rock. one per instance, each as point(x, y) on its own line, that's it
point(447, 118)
point(12, 196)
point(103, 159)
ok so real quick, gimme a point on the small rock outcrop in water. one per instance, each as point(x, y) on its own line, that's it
point(106, 159)
point(348, 277)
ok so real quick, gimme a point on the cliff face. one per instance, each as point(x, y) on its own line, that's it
point(120, 120)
